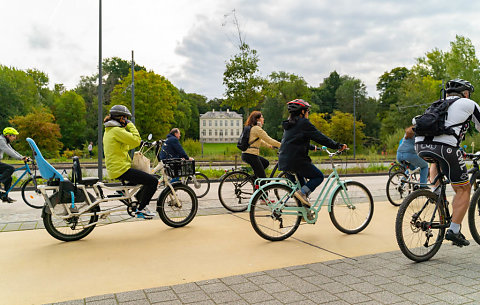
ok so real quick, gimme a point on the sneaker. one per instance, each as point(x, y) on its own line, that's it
point(303, 198)
point(145, 213)
point(8, 199)
point(456, 239)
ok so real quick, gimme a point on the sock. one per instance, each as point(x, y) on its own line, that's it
point(305, 190)
point(455, 227)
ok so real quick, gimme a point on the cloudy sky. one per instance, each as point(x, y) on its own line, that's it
point(189, 41)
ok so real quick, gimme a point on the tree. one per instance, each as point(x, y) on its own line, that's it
point(281, 88)
point(388, 86)
point(325, 95)
point(70, 114)
point(38, 125)
point(88, 89)
point(241, 79)
point(18, 94)
point(341, 129)
point(320, 121)
point(156, 100)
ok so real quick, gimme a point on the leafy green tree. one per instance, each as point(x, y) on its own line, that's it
point(88, 89)
point(388, 86)
point(41, 80)
point(194, 102)
point(38, 125)
point(115, 69)
point(242, 81)
point(18, 94)
point(325, 95)
point(341, 129)
point(70, 114)
point(320, 120)
point(156, 100)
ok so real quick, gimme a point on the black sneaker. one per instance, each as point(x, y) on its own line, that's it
point(456, 239)
point(8, 199)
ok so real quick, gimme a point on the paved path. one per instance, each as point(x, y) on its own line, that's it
point(218, 259)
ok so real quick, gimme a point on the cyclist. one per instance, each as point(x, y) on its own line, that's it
point(445, 149)
point(293, 153)
point(172, 149)
point(120, 136)
point(258, 137)
point(9, 135)
point(406, 152)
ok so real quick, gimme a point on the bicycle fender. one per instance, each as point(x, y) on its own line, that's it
point(330, 200)
point(260, 189)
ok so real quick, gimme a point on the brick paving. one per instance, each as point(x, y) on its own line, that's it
point(451, 277)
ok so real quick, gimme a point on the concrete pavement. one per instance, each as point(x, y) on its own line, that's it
point(219, 259)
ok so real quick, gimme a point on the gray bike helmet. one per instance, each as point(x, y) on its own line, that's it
point(297, 105)
point(458, 85)
point(120, 110)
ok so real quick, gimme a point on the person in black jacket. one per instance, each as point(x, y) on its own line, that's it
point(172, 148)
point(293, 153)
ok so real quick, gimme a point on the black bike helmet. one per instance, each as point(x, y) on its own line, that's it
point(458, 85)
point(120, 110)
point(297, 105)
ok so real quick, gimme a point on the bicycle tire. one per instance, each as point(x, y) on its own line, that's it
point(236, 200)
point(474, 216)
point(168, 210)
point(411, 226)
point(348, 219)
point(396, 189)
point(269, 224)
point(64, 229)
point(396, 167)
point(475, 180)
point(31, 196)
point(203, 185)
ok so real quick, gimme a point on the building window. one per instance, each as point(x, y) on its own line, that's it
point(221, 123)
point(221, 133)
point(209, 132)
point(216, 123)
point(216, 133)
point(204, 123)
point(204, 132)
point(238, 133)
point(226, 123)
point(238, 122)
point(209, 122)
point(231, 123)
point(231, 132)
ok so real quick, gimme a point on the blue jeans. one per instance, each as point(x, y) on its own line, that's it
point(310, 172)
point(415, 161)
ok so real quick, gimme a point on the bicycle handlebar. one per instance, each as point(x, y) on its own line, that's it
point(475, 156)
point(338, 152)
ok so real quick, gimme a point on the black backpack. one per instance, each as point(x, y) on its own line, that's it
point(243, 143)
point(432, 122)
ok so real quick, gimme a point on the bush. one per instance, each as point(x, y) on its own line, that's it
point(192, 147)
point(393, 140)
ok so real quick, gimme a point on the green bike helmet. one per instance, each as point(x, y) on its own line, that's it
point(10, 131)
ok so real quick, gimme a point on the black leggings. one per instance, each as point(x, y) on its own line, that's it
point(258, 164)
point(149, 187)
point(6, 172)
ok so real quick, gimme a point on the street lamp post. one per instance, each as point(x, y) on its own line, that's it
point(100, 95)
point(354, 119)
point(133, 91)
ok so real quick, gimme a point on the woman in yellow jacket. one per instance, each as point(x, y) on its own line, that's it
point(121, 136)
point(258, 138)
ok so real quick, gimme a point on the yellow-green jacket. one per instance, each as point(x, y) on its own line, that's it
point(117, 141)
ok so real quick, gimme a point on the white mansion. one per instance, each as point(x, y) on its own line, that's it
point(220, 126)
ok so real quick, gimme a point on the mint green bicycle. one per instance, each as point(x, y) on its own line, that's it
point(275, 213)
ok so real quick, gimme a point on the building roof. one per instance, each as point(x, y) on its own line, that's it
point(221, 115)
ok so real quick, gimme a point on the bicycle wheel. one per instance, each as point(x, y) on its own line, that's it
point(396, 189)
point(475, 180)
point(474, 216)
point(353, 217)
point(396, 167)
point(417, 238)
point(235, 191)
point(274, 224)
point(200, 186)
point(173, 214)
point(31, 194)
point(73, 228)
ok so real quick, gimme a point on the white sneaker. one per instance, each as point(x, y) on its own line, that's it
point(145, 213)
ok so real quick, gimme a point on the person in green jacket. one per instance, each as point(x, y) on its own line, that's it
point(120, 136)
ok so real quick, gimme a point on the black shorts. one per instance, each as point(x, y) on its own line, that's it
point(450, 159)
